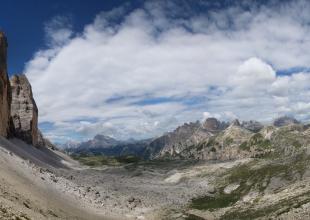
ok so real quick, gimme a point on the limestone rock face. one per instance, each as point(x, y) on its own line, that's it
point(5, 93)
point(212, 124)
point(24, 111)
point(172, 142)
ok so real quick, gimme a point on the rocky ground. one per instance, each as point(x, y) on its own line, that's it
point(262, 188)
point(134, 191)
point(28, 191)
point(265, 188)
point(148, 190)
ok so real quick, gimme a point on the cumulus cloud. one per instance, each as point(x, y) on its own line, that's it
point(139, 73)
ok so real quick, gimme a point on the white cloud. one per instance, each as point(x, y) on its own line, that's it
point(58, 31)
point(210, 115)
point(254, 71)
point(134, 73)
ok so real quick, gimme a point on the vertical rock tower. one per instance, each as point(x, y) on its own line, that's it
point(5, 93)
point(24, 111)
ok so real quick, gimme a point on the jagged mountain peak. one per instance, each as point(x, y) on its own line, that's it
point(103, 137)
point(235, 122)
point(252, 125)
point(211, 124)
point(285, 120)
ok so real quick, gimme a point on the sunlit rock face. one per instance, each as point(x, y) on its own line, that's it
point(24, 111)
point(5, 93)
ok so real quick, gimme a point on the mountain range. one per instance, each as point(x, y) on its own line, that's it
point(209, 140)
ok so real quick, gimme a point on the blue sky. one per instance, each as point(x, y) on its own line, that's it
point(136, 69)
point(23, 21)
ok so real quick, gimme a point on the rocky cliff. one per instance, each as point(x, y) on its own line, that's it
point(186, 136)
point(5, 94)
point(172, 142)
point(18, 110)
point(24, 111)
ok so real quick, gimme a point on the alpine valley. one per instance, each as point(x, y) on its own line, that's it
point(138, 70)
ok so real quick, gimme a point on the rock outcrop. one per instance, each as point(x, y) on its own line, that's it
point(5, 93)
point(44, 142)
point(24, 111)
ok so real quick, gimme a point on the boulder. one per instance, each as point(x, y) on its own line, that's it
point(24, 111)
point(5, 93)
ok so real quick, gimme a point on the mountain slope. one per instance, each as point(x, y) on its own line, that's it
point(26, 193)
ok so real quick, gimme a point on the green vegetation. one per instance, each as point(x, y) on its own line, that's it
point(296, 144)
point(193, 217)
point(199, 146)
point(228, 141)
point(253, 176)
point(100, 160)
point(288, 137)
point(213, 149)
point(211, 142)
point(282, 206)
point(244, 146)
point(259, 141)
point(220, 200)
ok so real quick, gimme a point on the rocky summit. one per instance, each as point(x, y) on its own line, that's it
point(24, 111)
point(284, 120)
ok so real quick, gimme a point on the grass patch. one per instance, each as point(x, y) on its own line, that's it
point(228, 141)
point(277, 209)
point(244, 146)
point(212, 142)
point(259, 141)
point(220, 200)
point(296, 144)
point(193, 217)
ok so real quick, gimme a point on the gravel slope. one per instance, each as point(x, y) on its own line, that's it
point(29, 192)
